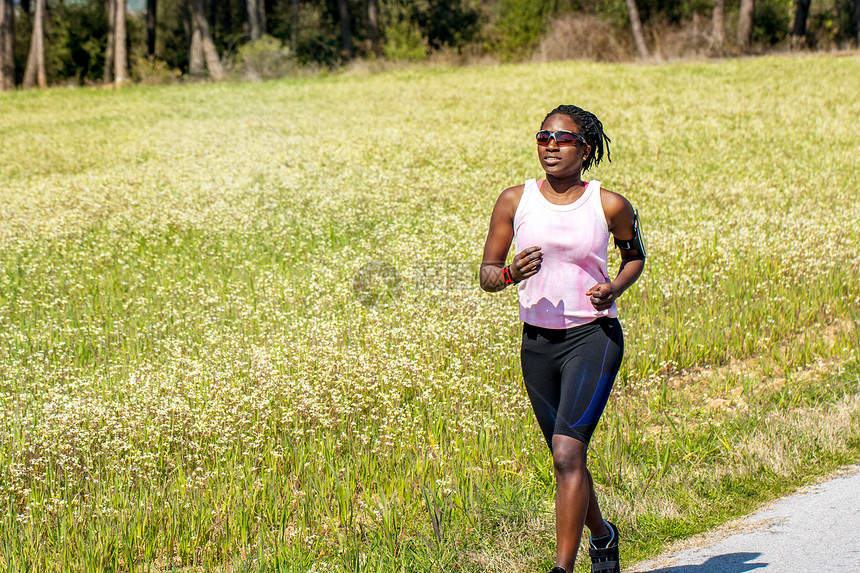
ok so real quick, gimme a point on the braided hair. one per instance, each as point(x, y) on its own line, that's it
point(592, 131)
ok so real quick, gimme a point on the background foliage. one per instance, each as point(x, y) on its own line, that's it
point(419, 29)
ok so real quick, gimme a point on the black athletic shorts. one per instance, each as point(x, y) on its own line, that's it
point(569, 374)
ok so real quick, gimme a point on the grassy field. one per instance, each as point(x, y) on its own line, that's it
point(240, 328)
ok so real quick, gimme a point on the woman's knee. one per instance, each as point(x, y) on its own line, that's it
point(568, 455)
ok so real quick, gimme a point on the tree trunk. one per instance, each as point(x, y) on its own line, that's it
point(110, 9)
point(719, 28)
point(636, 23)
point(7, 45)
point(373, 25)
point(213, 62)
point(798, 31)
point(187, 28)
point(34, 72)
point(857, 20)
point(25, 7)
point(345, 30)
point(261, 15)
point(253, 19)
point(745, 24)
point(120, 51)
point(202, 46)
point(196, 61)
point(151, 22)
point(294, 27)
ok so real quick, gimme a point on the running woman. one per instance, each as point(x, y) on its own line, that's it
point(572, 342)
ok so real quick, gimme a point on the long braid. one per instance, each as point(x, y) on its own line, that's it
point(592, 130)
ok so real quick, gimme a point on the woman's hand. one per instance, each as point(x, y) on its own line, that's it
point(526, 263)
point(602, 295)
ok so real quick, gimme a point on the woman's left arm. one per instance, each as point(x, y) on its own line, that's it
point(621, 220)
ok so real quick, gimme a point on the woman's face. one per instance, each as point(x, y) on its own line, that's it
point(562, 161)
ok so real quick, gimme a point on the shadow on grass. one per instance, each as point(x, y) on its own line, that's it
point(729, 563)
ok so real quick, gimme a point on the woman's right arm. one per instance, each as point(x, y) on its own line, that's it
point(525, 264)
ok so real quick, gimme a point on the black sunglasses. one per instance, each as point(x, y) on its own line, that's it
point(562, 138)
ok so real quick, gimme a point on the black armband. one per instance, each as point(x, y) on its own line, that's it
point(634, 244)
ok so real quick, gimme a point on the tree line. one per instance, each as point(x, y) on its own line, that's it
point(118, 41)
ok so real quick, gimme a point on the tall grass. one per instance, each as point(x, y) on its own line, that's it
point(240, 330)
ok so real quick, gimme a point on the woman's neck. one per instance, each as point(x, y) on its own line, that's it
point(565, 185)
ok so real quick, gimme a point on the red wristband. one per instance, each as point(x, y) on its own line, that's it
point(506, 275)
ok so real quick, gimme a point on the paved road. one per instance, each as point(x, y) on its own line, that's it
point(814, 530)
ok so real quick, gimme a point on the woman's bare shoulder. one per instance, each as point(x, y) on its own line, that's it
point(614, 203)
point(514, 192)
point(509, 199)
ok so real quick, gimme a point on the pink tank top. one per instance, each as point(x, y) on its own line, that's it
point(574, 240)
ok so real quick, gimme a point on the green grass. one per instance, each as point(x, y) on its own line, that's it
point(240, 328)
